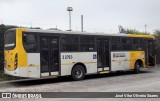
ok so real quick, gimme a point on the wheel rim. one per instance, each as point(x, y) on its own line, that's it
point(78, 73)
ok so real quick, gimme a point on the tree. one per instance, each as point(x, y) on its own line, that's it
point(134, 31)
point(2, 30)
point(157, 35)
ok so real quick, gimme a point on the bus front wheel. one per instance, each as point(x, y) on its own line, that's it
point(78, 72)
point(137, 68)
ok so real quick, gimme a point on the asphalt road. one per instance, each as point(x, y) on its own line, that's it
point(147, 81)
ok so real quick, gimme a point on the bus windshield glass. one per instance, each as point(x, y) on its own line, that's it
point(10, 40)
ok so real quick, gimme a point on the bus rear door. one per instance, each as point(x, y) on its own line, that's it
point(49, 53)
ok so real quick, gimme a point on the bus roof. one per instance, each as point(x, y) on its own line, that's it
point(86, 33)
point(73, 32)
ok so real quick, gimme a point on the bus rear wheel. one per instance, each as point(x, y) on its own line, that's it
point(137, 68)
point(78, 72)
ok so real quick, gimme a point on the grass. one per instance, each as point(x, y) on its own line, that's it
point(5, 77)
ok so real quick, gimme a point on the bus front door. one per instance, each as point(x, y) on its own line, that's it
point(49, 56)
point(103, 54)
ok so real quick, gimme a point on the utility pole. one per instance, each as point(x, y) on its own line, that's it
point(145, 26)
point(56, 27)
point(1, 21)
point(69, 9)
point(82, 23)
point(31, 24)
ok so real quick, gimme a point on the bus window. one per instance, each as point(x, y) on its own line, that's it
point(137, 41)
point(116, 40)
point(87, 39)
point(116, 47)
point(69, 39)
point(70, 47)
point(29, 42)
point(70, 43)
point(116, 44)
point(87, 43)
point(126, 44)
point(10, 40)
point(126, 40)
point(140, 44)
point(87, 47)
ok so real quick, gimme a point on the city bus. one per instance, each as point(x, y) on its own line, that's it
point(37, 53)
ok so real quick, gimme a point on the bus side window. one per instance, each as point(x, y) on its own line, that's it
point(87, 43)
point(126, 44)
point(116, 44)
point(70, 43)
point(29, 42)
point(139, 44)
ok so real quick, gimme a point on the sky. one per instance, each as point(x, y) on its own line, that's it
point(99, 15)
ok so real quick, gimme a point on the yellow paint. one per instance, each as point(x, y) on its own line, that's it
point(134, 56)
point(71, 63)
point(33, 65)
point(104, 72)
point(120, 60)
point(141, 36)
point(22, 55)
point(19, 49)
point(9, 59)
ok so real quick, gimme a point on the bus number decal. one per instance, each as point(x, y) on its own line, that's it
point(67, 57)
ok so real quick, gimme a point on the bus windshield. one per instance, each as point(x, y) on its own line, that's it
point(10, 40)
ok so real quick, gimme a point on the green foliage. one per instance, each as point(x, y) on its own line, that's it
point(4, 77)
point(157, 35)
point(134, 31)
point(4, 28)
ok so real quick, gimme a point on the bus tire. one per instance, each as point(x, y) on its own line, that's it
point(78, 72)
point(137, 68)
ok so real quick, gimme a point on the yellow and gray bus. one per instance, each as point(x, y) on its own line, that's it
point(37, 53)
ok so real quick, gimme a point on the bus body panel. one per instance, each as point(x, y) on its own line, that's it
point(22, 55)
point(10, 59)
point(10, 56)
point(69, 59)
point(120, 61)
point(90, 61)
point(33, 65)
point(23, 71)
point(126, 60)
point(141, 36)
point(13, 72)
point(23, 59)
point(134, 56)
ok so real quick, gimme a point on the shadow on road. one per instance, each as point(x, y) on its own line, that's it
point(68, 79)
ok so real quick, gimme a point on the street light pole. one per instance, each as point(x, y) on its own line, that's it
point(145, 26)
point(69, 9)
point(70, 20)
point(82, 23)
